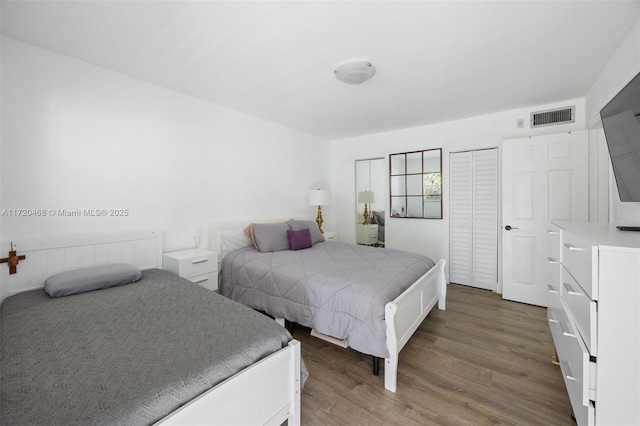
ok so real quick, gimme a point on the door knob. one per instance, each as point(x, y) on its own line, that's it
point(509, 228)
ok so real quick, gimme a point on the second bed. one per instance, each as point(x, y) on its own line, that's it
point(370, 299)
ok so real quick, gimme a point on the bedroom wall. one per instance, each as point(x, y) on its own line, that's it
point(76, 136)
point(431, 237)
point(426, 236)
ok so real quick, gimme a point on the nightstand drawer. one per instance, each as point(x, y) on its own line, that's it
point(198, 265)
point(367, 234)
point(580, 259)
point(209, 281)
point(330, 236)
point(582, 309)
point(191, 263)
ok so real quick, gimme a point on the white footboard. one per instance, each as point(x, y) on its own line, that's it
point(266, 393)
point(405, 314)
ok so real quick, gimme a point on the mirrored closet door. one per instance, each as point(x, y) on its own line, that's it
point(371, 196)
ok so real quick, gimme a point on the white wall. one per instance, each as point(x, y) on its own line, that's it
point(426, 236)
point(76, 136)
point(621, 68)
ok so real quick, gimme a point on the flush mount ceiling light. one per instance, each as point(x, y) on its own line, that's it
point(354, 71)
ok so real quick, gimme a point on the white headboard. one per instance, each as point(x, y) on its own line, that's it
point(48, 256)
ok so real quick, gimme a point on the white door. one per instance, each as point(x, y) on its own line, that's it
point(543, 178)
point(474, 218)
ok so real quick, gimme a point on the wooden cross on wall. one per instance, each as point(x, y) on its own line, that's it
point(12, 260)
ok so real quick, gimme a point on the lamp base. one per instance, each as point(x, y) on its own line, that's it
point(366, 215)
point(319, 220)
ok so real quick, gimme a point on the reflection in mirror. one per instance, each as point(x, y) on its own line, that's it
point(415, 184)
point(371, 185)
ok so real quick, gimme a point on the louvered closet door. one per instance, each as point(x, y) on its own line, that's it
point(485, 219)
point(460, 215)
point(474, 218)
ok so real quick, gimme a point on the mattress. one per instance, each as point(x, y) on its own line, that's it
point(125, 355)
point(338, 289)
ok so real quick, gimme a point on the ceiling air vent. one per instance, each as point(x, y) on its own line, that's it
point(553, 116)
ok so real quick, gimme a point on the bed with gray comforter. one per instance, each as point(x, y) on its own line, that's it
point(127, 355)
point(338, 289)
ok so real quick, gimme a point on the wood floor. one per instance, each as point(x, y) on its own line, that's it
point(482, 361)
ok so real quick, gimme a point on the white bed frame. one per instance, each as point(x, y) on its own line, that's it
point(405, 314)
point(266, 393)
point(402, 315)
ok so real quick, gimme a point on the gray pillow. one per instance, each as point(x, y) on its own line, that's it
point(271, 236)
point(316, 236)
point(379, 217)
point(89, 279)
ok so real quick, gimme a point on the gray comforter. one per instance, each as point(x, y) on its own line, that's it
point(337, 289)
point(127, 355)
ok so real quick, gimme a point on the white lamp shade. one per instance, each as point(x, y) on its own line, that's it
point(319, 197)
point(365, 197)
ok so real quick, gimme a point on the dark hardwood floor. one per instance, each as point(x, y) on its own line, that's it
point(482, 361)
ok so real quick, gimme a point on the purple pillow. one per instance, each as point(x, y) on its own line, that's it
point(300, 239)
point(316, 236)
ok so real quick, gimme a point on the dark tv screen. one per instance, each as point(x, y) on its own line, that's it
point(621, 123)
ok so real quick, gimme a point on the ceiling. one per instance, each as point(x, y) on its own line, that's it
point(436, 61)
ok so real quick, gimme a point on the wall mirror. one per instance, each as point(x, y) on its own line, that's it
point(370, 196)
point(415, 184)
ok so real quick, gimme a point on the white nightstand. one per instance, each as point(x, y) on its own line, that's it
point(330, 236)
point(367, 234)
point(197, 265)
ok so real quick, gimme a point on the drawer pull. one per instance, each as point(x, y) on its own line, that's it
point(553, 261)
point(566, 330)
point(573, 248)
point(194, 262)
point(552, 319)
point(551, 289)
point(201, 280)
point(567, 370)
point(553, 233)
point(570, 290)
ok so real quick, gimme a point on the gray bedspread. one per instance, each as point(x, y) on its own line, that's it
point(127, 355)
point(337, 289)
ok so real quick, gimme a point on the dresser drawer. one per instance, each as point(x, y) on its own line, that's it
point(555, 315)
point(575, 366)
point(209, 281)
point(581, 259)
point(554, 270)
point(581, 309)
point(554, 242)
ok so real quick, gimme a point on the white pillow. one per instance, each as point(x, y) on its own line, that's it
point(233, 240)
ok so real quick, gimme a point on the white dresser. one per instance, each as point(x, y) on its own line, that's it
point(197, 265)
point(367, 234)
point(594, 316)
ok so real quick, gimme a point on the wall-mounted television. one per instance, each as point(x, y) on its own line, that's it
point(621, 123)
